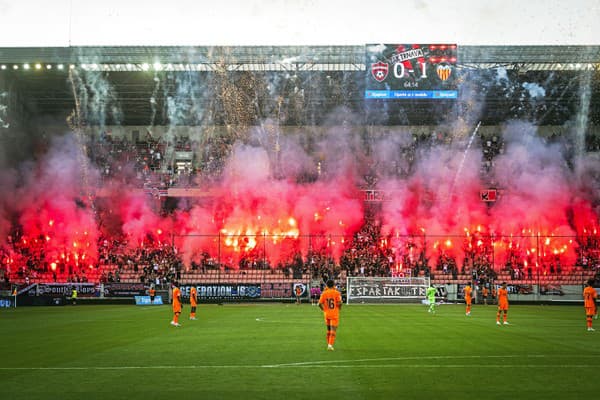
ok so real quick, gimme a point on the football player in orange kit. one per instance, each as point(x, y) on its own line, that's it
point(193, 302)
point(152, 293)
point(176, 304)
point(331, 303)
point(589, 302)
point(485, 295)
point(467, 290)
point(502, 304)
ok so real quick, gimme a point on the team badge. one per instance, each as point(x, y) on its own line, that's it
point(443, 71)
point(379, 70)
point(299, 289)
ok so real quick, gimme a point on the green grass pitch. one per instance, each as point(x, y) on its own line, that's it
point(278, 351)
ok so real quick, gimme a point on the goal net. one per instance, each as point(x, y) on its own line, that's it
point(385, 289)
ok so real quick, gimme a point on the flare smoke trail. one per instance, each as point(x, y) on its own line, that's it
point(51, 211)
point(3, 110)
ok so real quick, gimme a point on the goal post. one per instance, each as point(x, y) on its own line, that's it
point(385, 289)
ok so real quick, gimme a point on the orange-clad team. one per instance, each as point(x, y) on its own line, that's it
point(330, 302)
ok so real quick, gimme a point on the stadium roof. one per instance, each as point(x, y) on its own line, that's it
point(316, 58)
point(131, 72)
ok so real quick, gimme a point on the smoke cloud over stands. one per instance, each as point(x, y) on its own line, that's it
point(271, 191)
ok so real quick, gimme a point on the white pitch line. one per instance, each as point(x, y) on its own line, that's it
point(364, 366)
point(356, 363)
point(404, 359)
point(120, 368)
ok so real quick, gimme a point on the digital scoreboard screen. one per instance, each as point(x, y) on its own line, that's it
point(411, 71)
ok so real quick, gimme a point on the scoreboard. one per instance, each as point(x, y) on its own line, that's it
point(411, 71)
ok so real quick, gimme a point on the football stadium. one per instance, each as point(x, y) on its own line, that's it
point(271, 200)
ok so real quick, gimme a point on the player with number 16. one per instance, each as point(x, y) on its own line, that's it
point(331, 303)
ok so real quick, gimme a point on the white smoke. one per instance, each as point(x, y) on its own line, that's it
point(535, 91)
point(3, 110)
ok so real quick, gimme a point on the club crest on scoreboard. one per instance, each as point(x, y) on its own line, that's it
point(443, 71)
point(379, 70)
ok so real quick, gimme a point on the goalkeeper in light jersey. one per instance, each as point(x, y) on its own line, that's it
point(431, 296)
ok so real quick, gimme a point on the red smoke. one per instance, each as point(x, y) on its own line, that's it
point(542, 216)
point(255, 216)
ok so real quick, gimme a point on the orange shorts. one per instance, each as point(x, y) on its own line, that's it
point(503, 307)
point(177, 308)
point(332, 321)
point(468, 300)
point(590, 310)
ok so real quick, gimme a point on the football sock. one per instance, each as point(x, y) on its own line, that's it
point(176, 318)
point(332, 338)
point(589, 322)
point(505, 316)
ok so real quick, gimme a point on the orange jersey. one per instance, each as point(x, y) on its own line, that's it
point(485, 292)
point(152, 292)
point(502, 298)
point(193, 297)
point(467, 291)
point(589, 297)
point(331, 301)
point(176, 300)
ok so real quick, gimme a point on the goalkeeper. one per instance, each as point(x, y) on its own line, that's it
point(431, 297)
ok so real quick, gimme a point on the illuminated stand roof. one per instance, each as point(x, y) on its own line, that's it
point(288, 58)
point(131, 70)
